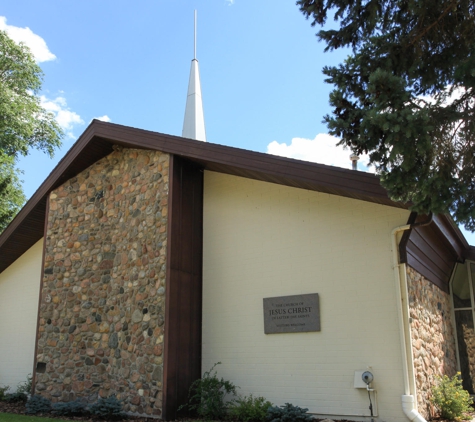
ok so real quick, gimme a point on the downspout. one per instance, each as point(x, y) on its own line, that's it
point(409, 405)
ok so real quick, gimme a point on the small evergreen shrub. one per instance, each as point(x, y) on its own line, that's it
point(25, 387)
point(16, 397)
point(450, 398)
point(250, 409)
point(72, 408)
point(3, 392)
point(208, 395)
point(287, 413)
point(109, 408)
point(38, 404)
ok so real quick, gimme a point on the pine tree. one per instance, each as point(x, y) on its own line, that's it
point(405, 95)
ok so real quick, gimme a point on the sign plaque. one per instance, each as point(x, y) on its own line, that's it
point(291, 314)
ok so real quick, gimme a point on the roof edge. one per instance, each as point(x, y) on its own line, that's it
point(46, 186)
point(98, 140)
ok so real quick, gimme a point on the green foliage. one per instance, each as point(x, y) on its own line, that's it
point(38, 404)
point(450, 398)
point(250, 409)
point(26, 386)
point(3, 392)
point(12, 417)
point(11, 193)
point(406, 95)
point(287, 413)
point(109, 408)
point(16, 397)
point(208, 395)
point(24, 123)
point(72, 408)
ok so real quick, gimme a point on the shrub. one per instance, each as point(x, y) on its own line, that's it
point(72, 408)
point(3, 392)
point(287, 413)
point(250, 409)
point(16, 397)
point(207, 395)
point(450, 398)
point(109, 408)
point(38, 404)
point(25, 387)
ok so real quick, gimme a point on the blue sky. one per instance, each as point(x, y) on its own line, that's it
point(129, 62)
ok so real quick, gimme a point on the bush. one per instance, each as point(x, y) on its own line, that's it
point(250, 409)
point(16, 397)
point(25, 388)
point(38, 404)
point(207, 395)
point(72, 408)
point(450, 398)
point(109, 408)
point(3, 392)
point(287, 413)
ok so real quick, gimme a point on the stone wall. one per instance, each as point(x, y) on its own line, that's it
point(102, 302)
point(433, 336)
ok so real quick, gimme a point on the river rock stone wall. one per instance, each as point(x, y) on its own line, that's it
point(103, 297)
point(433, 336)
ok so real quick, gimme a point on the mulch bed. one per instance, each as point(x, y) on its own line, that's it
point(19, 408)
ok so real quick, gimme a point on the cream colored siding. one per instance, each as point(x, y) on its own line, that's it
point(19, 290)
point(265, 240)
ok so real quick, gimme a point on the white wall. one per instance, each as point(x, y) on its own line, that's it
point(19, 291)
point(265, 240)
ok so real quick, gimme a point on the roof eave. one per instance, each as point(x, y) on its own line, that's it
point(99, 138)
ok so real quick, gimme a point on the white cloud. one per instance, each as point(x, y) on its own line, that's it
point(322, 149)
point(36, 44)
point(66, 118)
point(456, 94)
point(230, 2)
point(104, 118)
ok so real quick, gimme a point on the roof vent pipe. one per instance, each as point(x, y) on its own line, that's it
point(354, 161)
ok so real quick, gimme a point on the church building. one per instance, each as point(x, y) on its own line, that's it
point(144, 259)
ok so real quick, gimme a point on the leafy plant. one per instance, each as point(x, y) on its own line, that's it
point(72, 408)
point(287, 413)
point(250, 409)
point(38, 404)
point(109, 408)
point(21, 394)
point(3, 392)
point(208, 395)
point(24, 122)
point(26, 386)
point(16, 397)
point(450, 398)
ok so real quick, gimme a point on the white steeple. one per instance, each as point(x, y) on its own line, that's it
point(194, 123)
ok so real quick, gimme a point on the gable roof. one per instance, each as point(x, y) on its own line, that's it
point(98, 140)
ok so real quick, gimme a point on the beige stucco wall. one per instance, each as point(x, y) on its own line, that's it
point(19, 290)
point(265, 240)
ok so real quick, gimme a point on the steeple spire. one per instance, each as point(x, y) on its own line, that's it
point(194, 123)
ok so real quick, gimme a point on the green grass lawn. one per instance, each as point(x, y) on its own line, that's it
point(10, 417)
